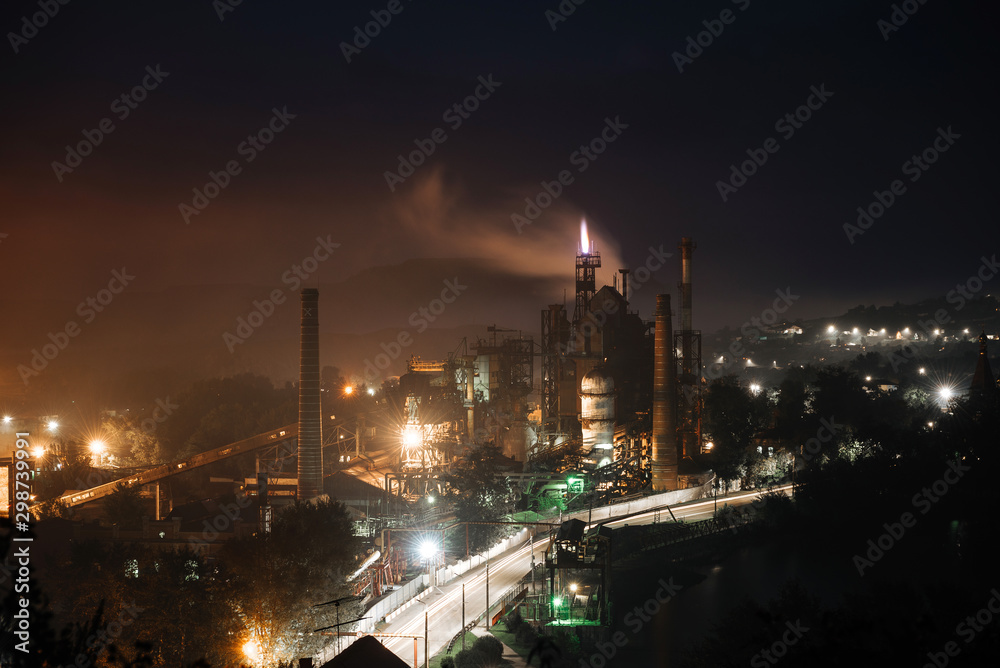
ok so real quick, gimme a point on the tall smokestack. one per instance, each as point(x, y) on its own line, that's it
point(310, 412)
point(664, 400)
point(624, 273)
point(689, 436)
point(686, 248)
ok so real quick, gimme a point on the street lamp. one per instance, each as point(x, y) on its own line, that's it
point(429, 550)
point(251, 648)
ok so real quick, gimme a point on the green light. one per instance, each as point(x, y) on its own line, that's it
point(557, 601)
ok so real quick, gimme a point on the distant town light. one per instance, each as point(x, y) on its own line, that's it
point(52, 425)
point(922, 371)
point(348, 389)
point(572, 587)
point(7, 419)
point(371, 391)
point(38, 452)
point(755, 388)
point(868, 378)
point(945, 393)
point(97, 446)
point(831, 329)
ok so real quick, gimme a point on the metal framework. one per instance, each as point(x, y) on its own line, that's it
point(689, 398)
point(586, 283)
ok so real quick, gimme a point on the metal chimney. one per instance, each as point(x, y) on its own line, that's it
point(686, 248)
point(664, 400)
point(310, 412)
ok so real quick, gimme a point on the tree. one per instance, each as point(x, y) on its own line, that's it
point(124, 507)
point(273, 581)
point(481, 493)
point(733, 417)
point(136, 446)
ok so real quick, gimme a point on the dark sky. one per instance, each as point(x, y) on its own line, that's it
point(324, 174)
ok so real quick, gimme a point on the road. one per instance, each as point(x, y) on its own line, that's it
point(444, 604)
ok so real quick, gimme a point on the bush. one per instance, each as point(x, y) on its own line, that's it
point(526, 635)
point(448, 662)
point(513, 621)
point(469, 658)
point(489, 647)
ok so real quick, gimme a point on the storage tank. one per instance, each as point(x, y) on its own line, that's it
point(597, 410)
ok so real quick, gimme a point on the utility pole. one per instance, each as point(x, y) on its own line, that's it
point(487, 590)
point(463, 616)
point(426, 656)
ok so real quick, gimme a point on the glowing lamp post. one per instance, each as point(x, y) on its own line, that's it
point(429, 551)
point(97, 449)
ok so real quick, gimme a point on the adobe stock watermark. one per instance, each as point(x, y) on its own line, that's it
point(752, 329)
point(914, 168)
point(713, 29)
point(122, 107)
point(900, 14)
point(960, 295)
point(228, 513)
point(594, 320)
point(31, 25)
point(581, 158)
point(97, 644)
point(223, 7)
point(779, 648)
point(223, 521)
point(149, 424)
point(248, 149)
point(967, 630)
point(372, 29)
point(636, 619)
point(923, 501)
point(563, 11)
point(88, 310)
point(420, 320)
point(826, 433)
point(293, 278)
point(454, 116)
point(786, 125)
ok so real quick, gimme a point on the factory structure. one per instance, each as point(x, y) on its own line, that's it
point(615, 397)
point(602, 403)
point(631, 387)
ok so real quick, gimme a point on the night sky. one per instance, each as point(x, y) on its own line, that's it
point(886, 94)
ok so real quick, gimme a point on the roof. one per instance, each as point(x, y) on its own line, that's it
point(366, 652)
point(571, 530)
